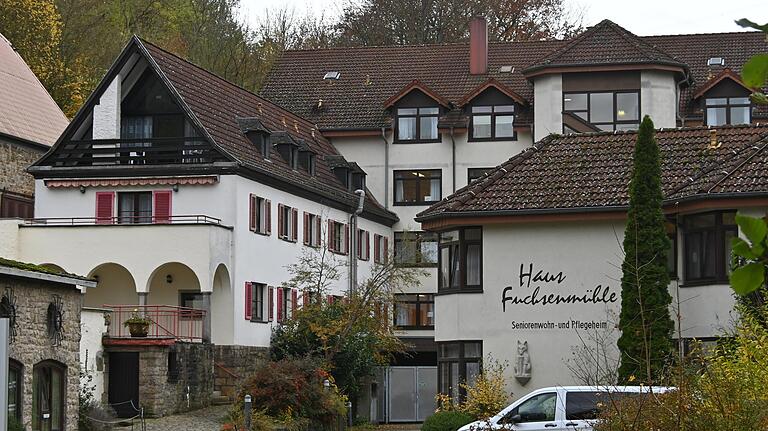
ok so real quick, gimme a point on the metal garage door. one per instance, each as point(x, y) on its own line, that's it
point(411, 393)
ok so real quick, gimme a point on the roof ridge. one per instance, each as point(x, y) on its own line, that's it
point(217, 76)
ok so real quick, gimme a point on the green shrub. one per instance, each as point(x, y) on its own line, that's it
point(446, 421)
point(15, 424)
point(290, 391)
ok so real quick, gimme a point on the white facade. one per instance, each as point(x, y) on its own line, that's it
point(658, 97)
point(547, 105)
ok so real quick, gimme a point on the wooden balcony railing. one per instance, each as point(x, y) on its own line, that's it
point(123, 220)
point(143, 151)
point(168, 321)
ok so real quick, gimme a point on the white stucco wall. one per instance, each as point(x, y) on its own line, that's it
point(658, 97)
point(91, 351)
point(547, 105)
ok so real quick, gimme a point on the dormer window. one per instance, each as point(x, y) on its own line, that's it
point(287, 147)
point(358, 181)
point(492, 122)
point(417, 124)
point(307, 162)
point(727, 110)
point(255, 131)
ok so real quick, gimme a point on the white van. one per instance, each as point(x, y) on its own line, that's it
point(562, 408)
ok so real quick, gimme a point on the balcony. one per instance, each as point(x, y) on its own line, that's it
point(126, 152)
point(168, 322)
point(141, 220)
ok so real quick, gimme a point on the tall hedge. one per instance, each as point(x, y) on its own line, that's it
point(646, 327)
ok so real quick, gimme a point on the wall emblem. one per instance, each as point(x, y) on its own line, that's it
point(55, 318)
point(522, 363)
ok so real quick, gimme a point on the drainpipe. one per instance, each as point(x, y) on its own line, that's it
point(353, 242)
point(453, 160)
point(386, 167)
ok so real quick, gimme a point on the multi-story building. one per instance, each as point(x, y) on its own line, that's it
point(30, 122)
point(186, 197)
point(426, 121)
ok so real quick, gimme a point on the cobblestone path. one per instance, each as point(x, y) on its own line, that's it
point(207, 419)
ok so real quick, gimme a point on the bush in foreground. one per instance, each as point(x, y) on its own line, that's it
point(447, 421)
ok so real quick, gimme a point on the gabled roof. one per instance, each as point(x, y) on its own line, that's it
point(591, 171)
point(27, 111)
point(724, 74)
point(604, 44)
point(371, 75)
point(217, 108)
point(492, 82)
point(415, 85)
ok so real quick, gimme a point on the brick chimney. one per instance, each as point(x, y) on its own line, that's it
point(478, 46)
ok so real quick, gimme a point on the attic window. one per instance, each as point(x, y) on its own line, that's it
point(716, 61)
point(506, 69)
point(332, 75)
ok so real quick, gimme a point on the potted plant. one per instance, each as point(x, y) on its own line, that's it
point(137, 325)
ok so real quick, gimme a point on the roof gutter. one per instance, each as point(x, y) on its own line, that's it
point(678, 86)
point(575, 210)
point(386, 167)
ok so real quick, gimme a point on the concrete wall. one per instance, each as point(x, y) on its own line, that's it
point(547, 106)
point(33, 345)
point(658, 97)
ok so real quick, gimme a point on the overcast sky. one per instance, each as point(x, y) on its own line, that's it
point(643, 18)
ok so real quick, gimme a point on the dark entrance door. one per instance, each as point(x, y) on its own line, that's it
point(124, 383)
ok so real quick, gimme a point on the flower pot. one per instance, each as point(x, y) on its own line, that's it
point(138, 329)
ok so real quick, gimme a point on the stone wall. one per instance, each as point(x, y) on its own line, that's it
point(15, 158)
point(32, 345)
point(234, 364)
point(162, 391)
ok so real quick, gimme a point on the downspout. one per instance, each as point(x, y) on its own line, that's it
point(678, 85)
point(353, 242)
point(453, 160)
point(386, 167)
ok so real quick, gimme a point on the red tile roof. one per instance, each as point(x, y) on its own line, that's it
point(27, 111)
point(725, 74)
point(371, 75)
point(602, 44)
point(218, 103)
point(592, 171)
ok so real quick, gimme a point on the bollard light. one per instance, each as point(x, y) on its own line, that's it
point(247, 413)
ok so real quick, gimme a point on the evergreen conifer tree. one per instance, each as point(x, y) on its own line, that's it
point(646, 327)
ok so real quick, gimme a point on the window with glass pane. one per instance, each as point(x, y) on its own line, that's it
point(475, 173)
point(48, 396)
point(728, 110)
point(458, 362)
point(134, 207)
point(417, 124)
point(461, 259)
point(493, 122)
point(539, 408)
point(611, 110)
point(414, 311)
point(15, 376)
point(418, 187)
point(706, 246)
point(416, 248)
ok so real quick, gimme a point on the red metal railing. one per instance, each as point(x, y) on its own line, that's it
point(168, 321)
point(122, 220)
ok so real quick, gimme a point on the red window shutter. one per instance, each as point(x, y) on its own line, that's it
point(162, 204)
point(367, 245)
point(329, 299)
point(307, 240)
point(280, 232)
point(317, 232)
point(252, 212)
point(304, 298)
point(386, 250)
point(294, 224)
point(268, 211)
point(346, 239)
point(248, 301)
point(294, 300)
point(271, 303)
point(376, 244)
point(105, 204)
point(279, 304)
point(330, 236)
